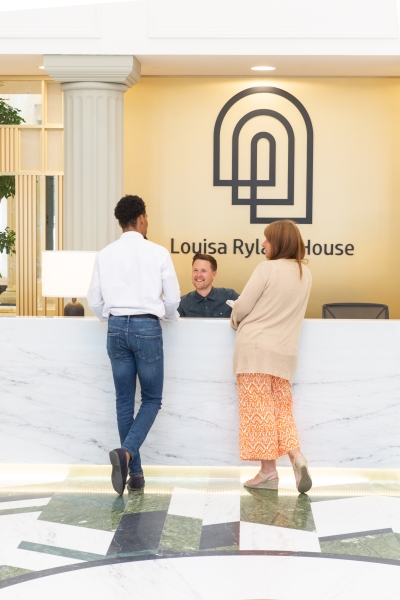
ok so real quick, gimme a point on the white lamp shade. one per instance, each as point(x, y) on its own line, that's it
point(66, 274)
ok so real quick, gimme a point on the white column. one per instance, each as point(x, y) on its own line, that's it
point(94, 88)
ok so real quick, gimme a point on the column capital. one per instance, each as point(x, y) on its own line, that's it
point(72, 68)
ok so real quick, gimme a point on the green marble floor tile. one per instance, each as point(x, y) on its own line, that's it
point(88, 483)
point(142, 502)
point(221, 550)
point(25, 509)
point(56, 551)
point(384, 545)
point(269, 508)
point(180, 534)
point(136, 553)
point(96, 511)
point(7, 572)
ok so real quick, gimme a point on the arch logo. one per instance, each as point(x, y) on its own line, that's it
point(263, 151)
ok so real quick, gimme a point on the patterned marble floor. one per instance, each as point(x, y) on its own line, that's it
point(66, 523)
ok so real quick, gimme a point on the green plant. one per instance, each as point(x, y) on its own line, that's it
point(7, 186)
point(7, 241)
point(8, 116)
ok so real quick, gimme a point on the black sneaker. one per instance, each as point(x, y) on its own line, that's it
point(136, 482)
point(119, 473)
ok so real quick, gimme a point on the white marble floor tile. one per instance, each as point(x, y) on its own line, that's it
point(254, 536)
point(222, 577)
point(25, 527)
point(37, 561)
point(222, 507)
point(187, 502)
point(13, 529)
point(24, 503)
point(69, 536)
point(349, 515)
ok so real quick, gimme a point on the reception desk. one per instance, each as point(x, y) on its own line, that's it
point(57, 399)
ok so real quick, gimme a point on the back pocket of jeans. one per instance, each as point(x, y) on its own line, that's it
point(114, 349)
point(150, 347)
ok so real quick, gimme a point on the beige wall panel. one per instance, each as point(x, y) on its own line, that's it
point(30, 153)
point(54, 140)
point(54, 112)
point(169, 125)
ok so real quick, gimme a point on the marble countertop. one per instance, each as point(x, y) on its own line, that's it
point(57, 400)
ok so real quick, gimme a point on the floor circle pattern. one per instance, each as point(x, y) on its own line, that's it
point(198, 532)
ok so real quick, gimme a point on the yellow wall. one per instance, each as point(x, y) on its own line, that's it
point(169, 125)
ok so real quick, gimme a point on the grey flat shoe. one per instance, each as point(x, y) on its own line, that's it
point(302, 474)
point(135, 482)
point(119, 472)
point(266, 484)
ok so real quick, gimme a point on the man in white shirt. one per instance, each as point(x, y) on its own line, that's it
point(133, 286)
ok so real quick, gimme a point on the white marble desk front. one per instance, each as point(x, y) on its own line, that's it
point(57, 398)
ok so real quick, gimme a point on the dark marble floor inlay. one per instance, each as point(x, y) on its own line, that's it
point(138, 531)
point(223, 535)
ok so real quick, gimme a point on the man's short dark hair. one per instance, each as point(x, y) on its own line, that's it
point(128, 209)
point(207, 257)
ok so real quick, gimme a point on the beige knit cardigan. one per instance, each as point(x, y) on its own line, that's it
point(268, 317)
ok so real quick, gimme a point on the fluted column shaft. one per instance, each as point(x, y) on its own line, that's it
point(94, 88)
point(94, 135)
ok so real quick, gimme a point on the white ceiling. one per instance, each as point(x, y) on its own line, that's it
point(235, 66)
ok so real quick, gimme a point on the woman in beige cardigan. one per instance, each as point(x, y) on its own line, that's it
point(268, 317)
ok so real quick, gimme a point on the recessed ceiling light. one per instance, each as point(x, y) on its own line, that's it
point(42, 67)
point(263, 68)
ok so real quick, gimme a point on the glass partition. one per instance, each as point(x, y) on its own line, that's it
point(47, 217)
point(26, 96)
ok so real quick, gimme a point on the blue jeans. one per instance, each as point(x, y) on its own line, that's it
point(135, 347)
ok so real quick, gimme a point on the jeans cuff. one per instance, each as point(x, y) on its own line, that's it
point(129, 452)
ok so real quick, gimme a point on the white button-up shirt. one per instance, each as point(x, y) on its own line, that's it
point(134, 276)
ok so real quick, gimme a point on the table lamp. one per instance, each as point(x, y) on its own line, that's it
point(67, 274)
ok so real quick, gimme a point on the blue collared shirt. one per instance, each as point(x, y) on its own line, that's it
point(212, 306)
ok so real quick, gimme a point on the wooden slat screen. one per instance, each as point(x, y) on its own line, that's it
point(26, 192)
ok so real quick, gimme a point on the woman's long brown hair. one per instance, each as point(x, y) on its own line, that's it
point(286, 241)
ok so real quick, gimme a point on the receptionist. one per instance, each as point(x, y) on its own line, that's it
point(206, 301)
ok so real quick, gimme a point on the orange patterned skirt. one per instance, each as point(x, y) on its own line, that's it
point(266, 425)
